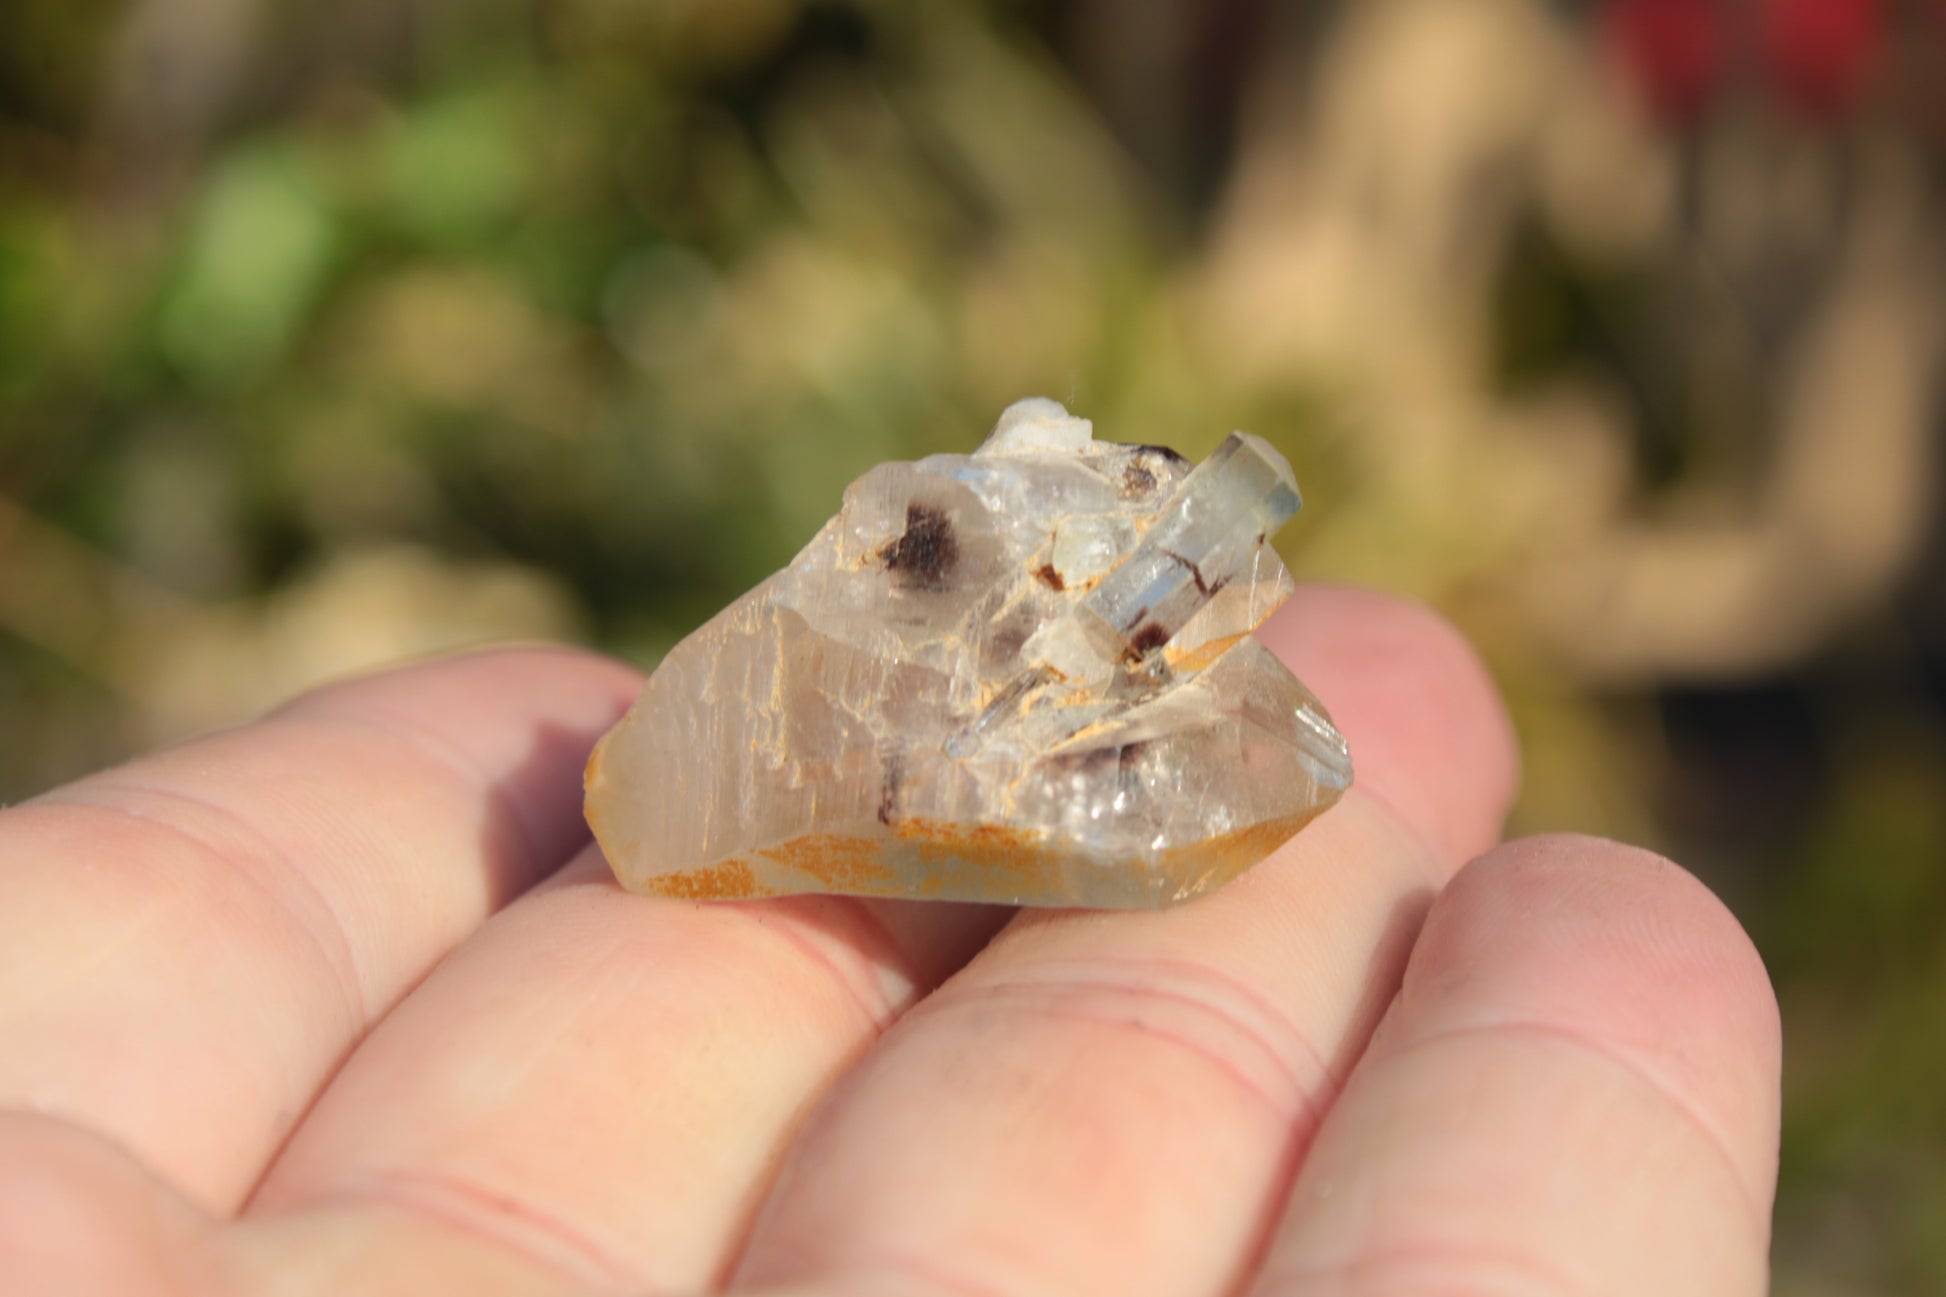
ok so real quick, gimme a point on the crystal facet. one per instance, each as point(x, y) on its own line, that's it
point(1022, 675)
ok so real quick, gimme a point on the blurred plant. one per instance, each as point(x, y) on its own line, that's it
point(332, 334)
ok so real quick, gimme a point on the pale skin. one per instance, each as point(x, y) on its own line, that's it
point(342, 1002)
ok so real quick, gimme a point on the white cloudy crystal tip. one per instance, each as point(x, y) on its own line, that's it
point(1023, 675)
point(1037, 426)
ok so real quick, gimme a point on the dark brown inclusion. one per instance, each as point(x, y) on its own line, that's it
point(1050, 578)
point(1148, 639)
point(888, 798)
point(926, 554)
point(1203, 588)
point(1138, 479)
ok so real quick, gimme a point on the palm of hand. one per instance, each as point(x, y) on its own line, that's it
point(316, 1006)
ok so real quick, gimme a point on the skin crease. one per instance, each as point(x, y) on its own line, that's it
point(339, 1002)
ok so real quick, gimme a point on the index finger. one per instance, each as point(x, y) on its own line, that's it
point(190, 942)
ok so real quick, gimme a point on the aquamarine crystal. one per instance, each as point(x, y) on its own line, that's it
point(1022, 675)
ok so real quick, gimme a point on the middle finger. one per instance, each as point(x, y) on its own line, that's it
point(1114, 1102)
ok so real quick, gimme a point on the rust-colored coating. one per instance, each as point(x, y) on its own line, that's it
point(729, 881)
point(839, 862)
point(1017, 861)
point(1010, 862)
point(1199, 657)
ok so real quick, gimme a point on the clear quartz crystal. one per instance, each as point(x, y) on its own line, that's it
point(1022, 675)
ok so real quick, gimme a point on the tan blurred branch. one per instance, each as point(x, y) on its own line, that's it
point(1831, 525)
point(1359, 254)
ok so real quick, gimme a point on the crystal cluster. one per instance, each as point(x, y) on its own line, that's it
point(1023, 675)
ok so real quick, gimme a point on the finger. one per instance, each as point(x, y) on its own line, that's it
point(78, 1215)
point(189, 943)
point(601, 1082)
point(1112, 1103)
point(1576, 1091)
point(1345, 636)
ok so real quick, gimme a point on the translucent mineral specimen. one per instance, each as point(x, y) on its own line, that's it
point(1023, 675)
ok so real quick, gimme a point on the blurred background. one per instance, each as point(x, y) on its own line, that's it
point(333, 333)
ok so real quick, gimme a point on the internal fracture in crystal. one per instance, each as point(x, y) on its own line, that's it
point(1023, 675)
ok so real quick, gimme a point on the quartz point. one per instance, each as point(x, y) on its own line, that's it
point(1022, 676)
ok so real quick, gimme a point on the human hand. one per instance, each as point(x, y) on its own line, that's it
point(322, 1005)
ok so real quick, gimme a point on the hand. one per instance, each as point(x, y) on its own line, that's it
point(341, 1003)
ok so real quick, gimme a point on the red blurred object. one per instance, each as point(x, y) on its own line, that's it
point(1673, 50)
point(1818, 55)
